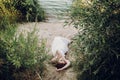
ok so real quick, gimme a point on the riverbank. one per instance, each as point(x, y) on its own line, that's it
point(48, 31)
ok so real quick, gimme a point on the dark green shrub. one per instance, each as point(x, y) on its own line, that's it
point(6, 68)
point(21, 10)
point(98, 40)
point(20, 53)
point(4, 23)
point(30, 10)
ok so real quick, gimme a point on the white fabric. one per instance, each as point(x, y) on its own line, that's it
point(60, 44)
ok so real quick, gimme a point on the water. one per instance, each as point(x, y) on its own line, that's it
point(56, 9)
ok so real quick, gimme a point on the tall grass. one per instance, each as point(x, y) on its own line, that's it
point(97, 44)
point(20, 53)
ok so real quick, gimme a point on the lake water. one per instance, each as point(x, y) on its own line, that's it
point(56, 8)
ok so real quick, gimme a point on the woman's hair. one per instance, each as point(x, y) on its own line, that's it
point(59, 65)
point(56, 63)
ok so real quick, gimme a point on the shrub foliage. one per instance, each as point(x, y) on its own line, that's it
point(8, 14)
point(30, 9)
point(98, 40)
point(20, 53)
point(21, 10)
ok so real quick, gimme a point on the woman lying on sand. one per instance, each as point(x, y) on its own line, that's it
point(59, 50)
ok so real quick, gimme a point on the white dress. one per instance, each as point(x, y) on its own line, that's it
point(60, 44)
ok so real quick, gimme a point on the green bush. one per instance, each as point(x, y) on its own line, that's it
point(8, 14)
point(30, 10)
point(20, 53)
point(6, 68)
point(21, 10)
point(25, 52)
point(98, 40)
point(4, 23)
